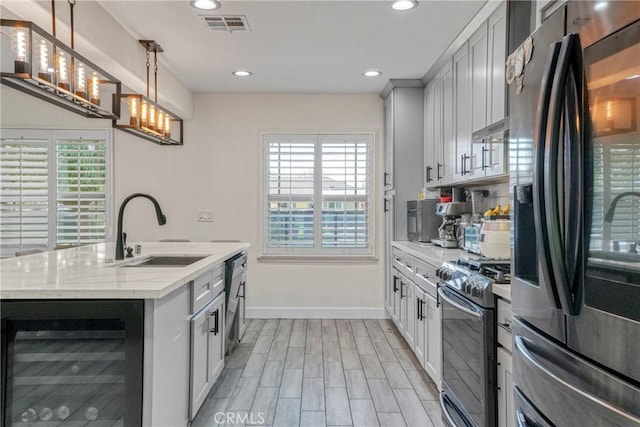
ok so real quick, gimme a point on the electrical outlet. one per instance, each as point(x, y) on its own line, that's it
point(205, 215)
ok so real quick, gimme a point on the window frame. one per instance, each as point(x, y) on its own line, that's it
point(317, 252)
point(52, 136)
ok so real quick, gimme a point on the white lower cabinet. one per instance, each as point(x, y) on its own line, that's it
point(433, 350)
point(207, 351)
point(410, 313)
point(506, 410)
point(421, 325)
point(415, 310)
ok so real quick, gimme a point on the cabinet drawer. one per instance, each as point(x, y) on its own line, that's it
point(505, 320)
point(425, 277)
point(206, 287)
point(398, 259)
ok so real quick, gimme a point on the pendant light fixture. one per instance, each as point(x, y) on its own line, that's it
point(144, 117)
point(48, 69)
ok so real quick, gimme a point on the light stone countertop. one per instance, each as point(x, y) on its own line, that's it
point(434, 255)
point(89, 272)
point(503, 291)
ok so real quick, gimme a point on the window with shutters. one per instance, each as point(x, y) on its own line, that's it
point(318, 194)
point(54, 187)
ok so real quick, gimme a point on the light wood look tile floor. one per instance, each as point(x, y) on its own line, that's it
point(322, 373)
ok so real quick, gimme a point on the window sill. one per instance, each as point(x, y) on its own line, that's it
point(340, 259)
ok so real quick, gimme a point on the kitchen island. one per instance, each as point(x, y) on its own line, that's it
point(112, 341)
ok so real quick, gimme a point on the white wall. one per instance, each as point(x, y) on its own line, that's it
point(218, 169)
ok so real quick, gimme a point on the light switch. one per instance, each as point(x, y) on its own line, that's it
point(205, 215)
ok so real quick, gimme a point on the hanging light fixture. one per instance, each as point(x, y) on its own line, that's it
point(144, 117)
point(48, 69)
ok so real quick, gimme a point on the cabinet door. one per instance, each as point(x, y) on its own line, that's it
point(495, 158)
point(506, 415)
point(402, 306)
point(389, 137)
point(410, 314)
point(462, 108)
point(420, 304)
point(446, 144)
point(429, 141)
point(389, 236)
point(478, 58)
point(396, 284)
point(497, 45)
point(433, 354)
point(207, 351)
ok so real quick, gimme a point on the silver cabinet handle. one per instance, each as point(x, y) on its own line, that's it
point(521, 346)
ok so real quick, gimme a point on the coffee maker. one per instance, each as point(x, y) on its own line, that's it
point(449, 231)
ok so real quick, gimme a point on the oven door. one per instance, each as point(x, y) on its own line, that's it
point(468, 351)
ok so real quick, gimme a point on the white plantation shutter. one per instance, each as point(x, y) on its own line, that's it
point(81, 172)
point(317, 194)
point(290, 177)
point(54, 188)
point(24, 194)
point(346, 189)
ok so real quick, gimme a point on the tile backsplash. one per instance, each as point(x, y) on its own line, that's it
point(498, 195)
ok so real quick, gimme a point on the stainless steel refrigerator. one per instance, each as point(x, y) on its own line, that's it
point(575, 171)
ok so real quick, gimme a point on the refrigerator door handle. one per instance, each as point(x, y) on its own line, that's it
point(574, 147)
point(556, 236)
point(542, 116)
point(522, 348)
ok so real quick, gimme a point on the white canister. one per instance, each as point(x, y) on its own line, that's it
point(494, 239)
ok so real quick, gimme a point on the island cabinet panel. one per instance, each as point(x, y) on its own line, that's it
point(73, 362)
point(167, 359)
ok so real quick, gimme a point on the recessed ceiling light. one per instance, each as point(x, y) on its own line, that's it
point(372, 73)
point(601, 5)
point(404, 4)
point(242, 73)
point(205, 4)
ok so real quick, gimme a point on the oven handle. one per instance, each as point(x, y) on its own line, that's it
point(442, 291)
point(522, 421)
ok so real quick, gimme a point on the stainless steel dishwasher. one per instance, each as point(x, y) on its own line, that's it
point(235, 287)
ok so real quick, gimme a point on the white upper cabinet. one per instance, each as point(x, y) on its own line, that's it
point(445, 172)
point(479, 74)
point(497, 50)
point(462, 111)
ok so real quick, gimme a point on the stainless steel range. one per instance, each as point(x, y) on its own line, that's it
point(469, 393)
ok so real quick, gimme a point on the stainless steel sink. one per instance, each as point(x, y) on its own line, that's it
point(166, 261)
point(615, 256)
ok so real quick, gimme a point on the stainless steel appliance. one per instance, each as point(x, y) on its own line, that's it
point(576, 299)
point(422, 222)
point(469, 393)
point(235, 288)
point(72, 362)
point(449, 230)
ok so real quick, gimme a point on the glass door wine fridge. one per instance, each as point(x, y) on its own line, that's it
point(72, 362)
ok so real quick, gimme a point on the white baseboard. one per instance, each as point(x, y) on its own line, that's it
point(317, 313)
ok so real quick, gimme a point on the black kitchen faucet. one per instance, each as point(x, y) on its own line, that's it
point(121, 238)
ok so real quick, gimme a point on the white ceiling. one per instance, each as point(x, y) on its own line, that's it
point(297, 46)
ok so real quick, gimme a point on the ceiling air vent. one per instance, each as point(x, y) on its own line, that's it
point(227, 23)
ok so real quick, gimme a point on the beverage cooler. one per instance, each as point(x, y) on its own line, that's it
point(72, 362)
